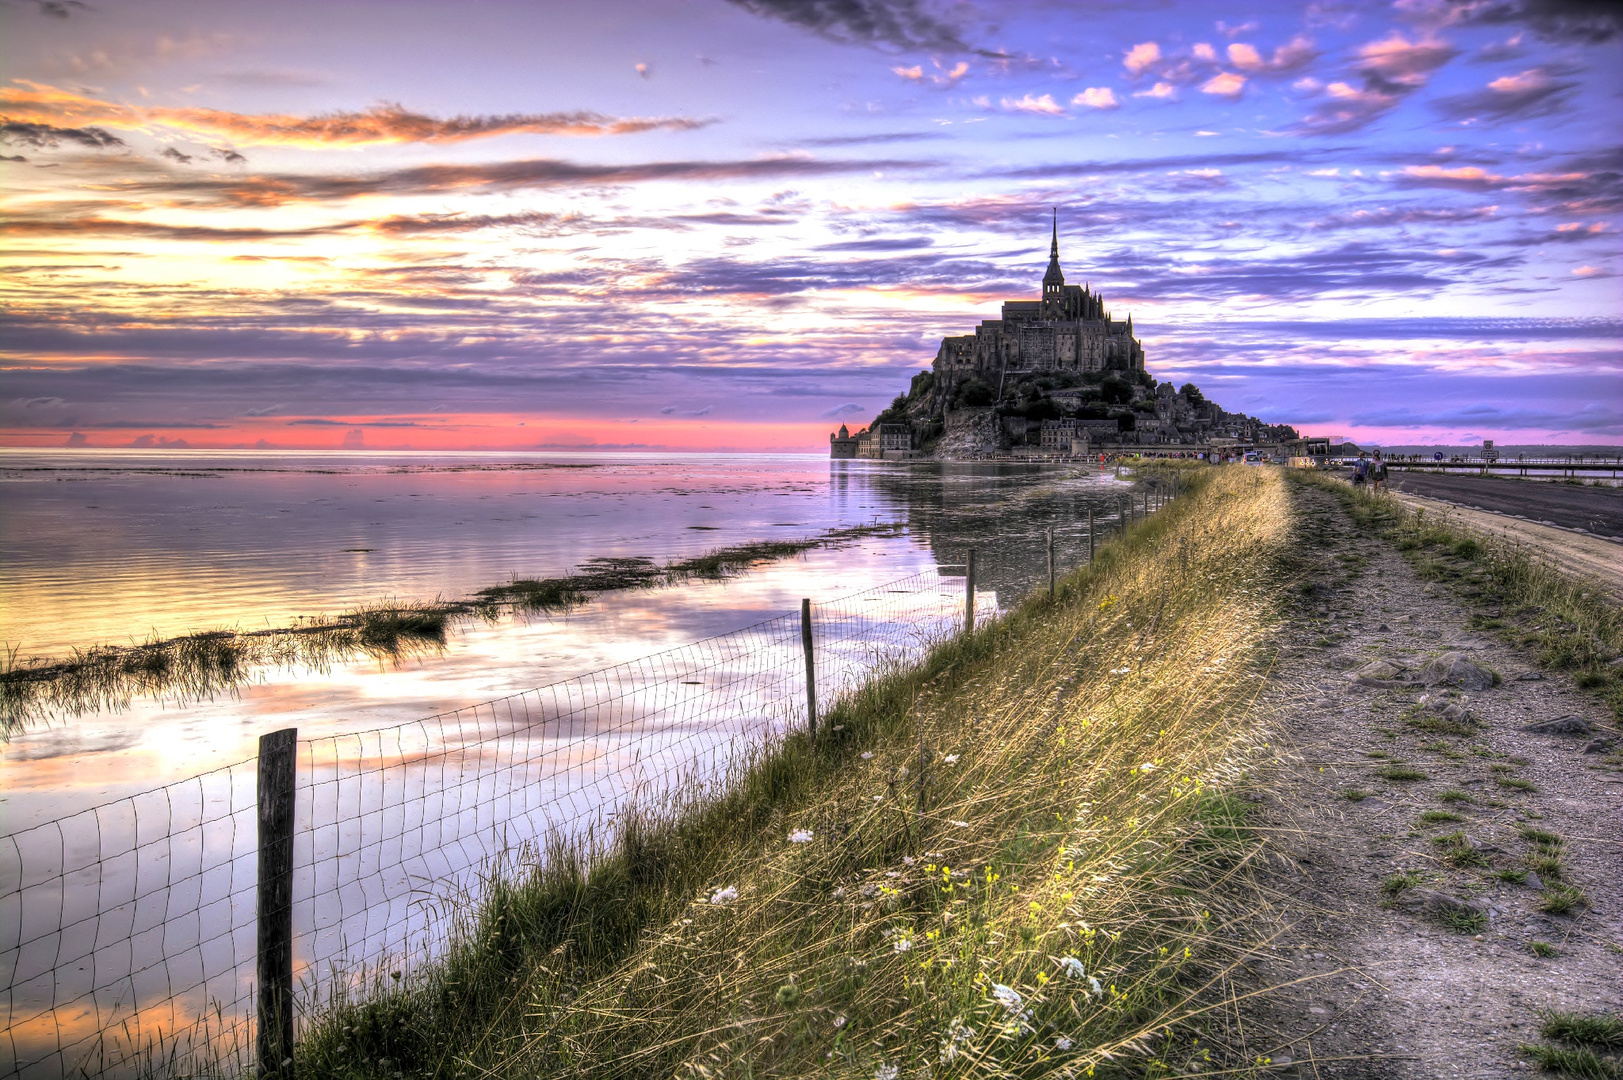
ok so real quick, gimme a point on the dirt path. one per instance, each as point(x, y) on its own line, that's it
point(1374, 985)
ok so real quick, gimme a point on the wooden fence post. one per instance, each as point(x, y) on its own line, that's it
point(278, 752)
point(811, 669)
point(1051, 564)
point(969, 593)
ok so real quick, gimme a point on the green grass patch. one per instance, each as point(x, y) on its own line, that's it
point(1401, 773)
point(1463, 922)
point(1439, 817)
point(1563, 900)
point(1455, 796)
point(1515, 783)
point(1355, 794)
point(1457, 850)
point(1594, 1029)
point(1397, 883)
point(1581, 1062)
point(1542, 949)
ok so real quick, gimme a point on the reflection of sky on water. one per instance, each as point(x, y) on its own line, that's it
point(77, 576)
point(637, 508)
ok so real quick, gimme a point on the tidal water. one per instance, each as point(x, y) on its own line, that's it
point(126, 834)
point(109, 547)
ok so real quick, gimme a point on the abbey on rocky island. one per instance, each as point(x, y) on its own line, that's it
point(1056, 375)
point(1069, 329)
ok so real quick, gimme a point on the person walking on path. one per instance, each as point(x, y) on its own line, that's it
point(1360, 471)
point(1377, 472)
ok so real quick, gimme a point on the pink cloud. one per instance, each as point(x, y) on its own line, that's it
point(1097, 97)
point(1045, 105)
point(1141, 56)
point(1224, 84)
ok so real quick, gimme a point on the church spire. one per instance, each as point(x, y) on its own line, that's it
point(1054, 279)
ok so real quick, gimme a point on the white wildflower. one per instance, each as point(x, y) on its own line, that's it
point(1072, 967)
point(867, 755)
point(1098, 991)
point(951, 759)
point(1008, 997)
point(956, 1033)
point(800, 836)
point(961, 824)
point(1120, 670)
point(901, 944)
point(839, 1022)
point(724, 896)
point(1062, 1043)
point(1148, 766)
point(886, 1072)
point(908, 860)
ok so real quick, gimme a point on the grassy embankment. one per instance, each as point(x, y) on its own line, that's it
point(198, 666)
point(1027, 855)
point(1570, 624)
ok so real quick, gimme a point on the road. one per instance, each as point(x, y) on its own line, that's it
point(1595, 510)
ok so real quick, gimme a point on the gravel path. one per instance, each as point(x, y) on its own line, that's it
point(1367, 985)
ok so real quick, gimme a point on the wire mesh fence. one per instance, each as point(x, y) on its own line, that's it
point(128, 931)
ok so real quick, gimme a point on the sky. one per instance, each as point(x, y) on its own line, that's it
point(736, 224)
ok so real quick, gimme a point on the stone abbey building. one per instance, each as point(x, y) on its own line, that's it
point(1056, 375)
point(1067, 330)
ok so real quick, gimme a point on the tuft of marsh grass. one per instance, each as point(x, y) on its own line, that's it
point(1439, 817)
point(1581, 1062)
point(1458, 850)
point(1563, 900)
point(1455, 795)
point(1542, 949)
point(1463, 922)
point(1402, 773)
point(1397, 883)
point(1515, 783)
point(1048, 842)
point(1355, 794)
point(1595, 1029)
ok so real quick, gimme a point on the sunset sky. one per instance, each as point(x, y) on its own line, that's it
point(734, 224)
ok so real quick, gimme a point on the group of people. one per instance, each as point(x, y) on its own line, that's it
point(1371, 472)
